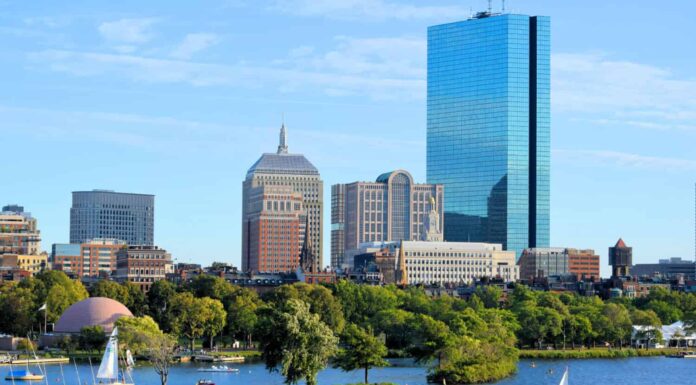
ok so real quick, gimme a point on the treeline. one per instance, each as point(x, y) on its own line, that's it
point(301, 328)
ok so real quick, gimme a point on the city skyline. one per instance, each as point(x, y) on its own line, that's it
point(623, 163)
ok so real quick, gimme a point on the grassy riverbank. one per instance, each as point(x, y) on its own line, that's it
point(593, 353)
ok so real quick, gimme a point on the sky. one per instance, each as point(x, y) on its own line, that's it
point(179, 99)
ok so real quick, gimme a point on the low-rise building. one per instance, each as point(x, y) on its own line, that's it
point(558, 261)
point(30, 263)
point(94, 258)
point(19, 233)
point(666, 269)
point(143, 265)
point(455, 262)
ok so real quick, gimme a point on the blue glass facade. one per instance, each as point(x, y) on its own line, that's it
point(488, 135)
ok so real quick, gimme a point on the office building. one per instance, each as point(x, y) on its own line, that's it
point(391, 209)
point(273, 223)
point(94, 258)
point(488, 128)
point(453, 263)
point(104, 214)
point(620, 259)
point(294, 171)
point(558, 261)
point(143, 265)
point(338, 196)
point(19, 233)
point(666, 268)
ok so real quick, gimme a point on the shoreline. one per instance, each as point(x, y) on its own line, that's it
point(600, 353)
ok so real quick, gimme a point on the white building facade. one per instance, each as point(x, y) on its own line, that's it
point(456, 262)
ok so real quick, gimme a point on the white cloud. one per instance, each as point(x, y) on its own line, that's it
point(621, 92)
point(193, 43)
point(627, 160)
point(368, 9)
point(131, 31)
point(364, 72)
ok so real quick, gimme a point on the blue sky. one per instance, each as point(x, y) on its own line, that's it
point(178, 100)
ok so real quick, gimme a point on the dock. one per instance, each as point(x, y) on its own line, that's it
point(33, 361)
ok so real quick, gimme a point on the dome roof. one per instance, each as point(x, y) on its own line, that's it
point(93, 311)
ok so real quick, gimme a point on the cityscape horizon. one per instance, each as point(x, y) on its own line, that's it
point(598, 223)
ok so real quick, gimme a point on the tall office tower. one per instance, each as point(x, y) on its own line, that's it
point(620, 259)
point(300, 176)
point(273, 222)
point(108, 214)
point(19, 233)
point(338, 194)
point(391, 209)
point(489, 127)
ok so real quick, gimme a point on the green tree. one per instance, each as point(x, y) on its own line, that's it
point(110, 289)
point(137, 302)
point(489, 295)
point(67, 344)
point(210, 286)
point(134, 333)
point(215, 318)
point(92, 338)
point(17, 310)
point(159, 303)
point(189, 317)
point(295, 341)
point(618, 323)
point(361, 350)
point(241, 315)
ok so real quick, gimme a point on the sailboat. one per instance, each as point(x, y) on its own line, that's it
point(130, 361)
point(108, 369)
point(564, 379)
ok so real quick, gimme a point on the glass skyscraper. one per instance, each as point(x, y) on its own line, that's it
point(489, 127)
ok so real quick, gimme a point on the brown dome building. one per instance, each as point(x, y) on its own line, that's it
point(95, 311)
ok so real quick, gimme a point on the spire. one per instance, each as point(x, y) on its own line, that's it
point(283, 145)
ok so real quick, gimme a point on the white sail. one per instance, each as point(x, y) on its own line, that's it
point(108, 370)
point(129, 358)
point(564, 379)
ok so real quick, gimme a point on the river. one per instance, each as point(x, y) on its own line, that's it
point(629, 371)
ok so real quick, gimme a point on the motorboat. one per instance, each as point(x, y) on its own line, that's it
point(205, 382)
point(23, 375)
point(219, 369)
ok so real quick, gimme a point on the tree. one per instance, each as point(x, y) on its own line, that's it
point(618, 323)
point(67, 344)
point(189, 317)
point(489, 295)
point(161, 351)
point(215, 318)
point(361, 350)
point(295, 342)
point(92, 338)
point(211, 286)
point(137, 302)
point(241, 314)
point(159, 302)
point(650, 325)
point(17, 310)
point(110, 289)
point(134, 333)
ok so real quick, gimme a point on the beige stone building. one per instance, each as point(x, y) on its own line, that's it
point(31, 263)
point(390, 209)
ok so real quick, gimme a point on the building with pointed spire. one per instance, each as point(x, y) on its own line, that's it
point(620, 259)
point(282, 208)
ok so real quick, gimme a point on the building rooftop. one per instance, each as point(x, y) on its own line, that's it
point(282, 162)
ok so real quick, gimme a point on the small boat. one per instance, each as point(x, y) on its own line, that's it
point(23, 375)
point(219, 369)
point(108, 369)
point(683, 355)
point(564, 379)
point(205, 382)
point(130, 361)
